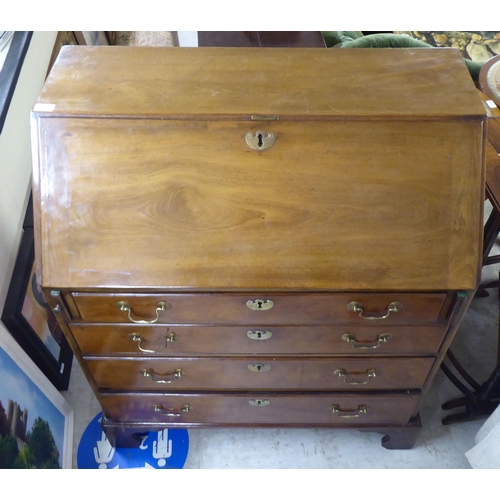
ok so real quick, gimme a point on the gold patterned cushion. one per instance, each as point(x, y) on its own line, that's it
point(478, 46)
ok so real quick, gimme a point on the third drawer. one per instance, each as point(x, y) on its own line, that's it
point(153, 374)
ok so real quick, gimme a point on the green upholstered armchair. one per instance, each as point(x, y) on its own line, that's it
point(476, 47)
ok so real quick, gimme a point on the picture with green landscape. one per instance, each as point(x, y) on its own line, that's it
point(31, 427)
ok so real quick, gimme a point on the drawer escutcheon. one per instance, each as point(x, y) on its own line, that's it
point(259, 402)
point(259, 367)
point(260, 304)
point(259, 334)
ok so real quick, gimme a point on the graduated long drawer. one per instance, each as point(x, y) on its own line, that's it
point(259, 373)
point(181, 340)
point(261, 308)
point(260, 409)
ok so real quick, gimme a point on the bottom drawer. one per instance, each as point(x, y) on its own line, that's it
point(331, 409)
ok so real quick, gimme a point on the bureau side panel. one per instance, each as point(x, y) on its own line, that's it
point(331, 205)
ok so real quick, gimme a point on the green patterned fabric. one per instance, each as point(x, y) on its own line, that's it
point(478, 46)
point(386, 40)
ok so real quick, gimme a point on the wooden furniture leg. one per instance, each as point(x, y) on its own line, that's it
point(399, 438)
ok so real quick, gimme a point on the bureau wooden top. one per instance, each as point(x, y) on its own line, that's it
point(125, 200)
point(295, 83)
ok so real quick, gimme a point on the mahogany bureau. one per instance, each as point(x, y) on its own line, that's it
point(259, 237)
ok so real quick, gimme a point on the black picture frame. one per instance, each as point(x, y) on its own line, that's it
point(53, 355)
point(9, 73)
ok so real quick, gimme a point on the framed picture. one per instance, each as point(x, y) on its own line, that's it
point(30, 320)
point(12, 54)
point(36, 423)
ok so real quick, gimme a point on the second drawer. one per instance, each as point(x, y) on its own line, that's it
point(180, 340)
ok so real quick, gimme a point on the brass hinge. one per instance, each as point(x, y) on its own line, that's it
point(264, 117)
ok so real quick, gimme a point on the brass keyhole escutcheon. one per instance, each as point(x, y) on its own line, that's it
point(260, 304)
point(259, 334)
point(259, 402)
point(259, 367)
point(260, 140)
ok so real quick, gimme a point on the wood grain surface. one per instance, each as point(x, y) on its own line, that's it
point(146, 191)
point(208, 82)
point(331, 205)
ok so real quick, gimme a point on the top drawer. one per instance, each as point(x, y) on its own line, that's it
point(263, 309)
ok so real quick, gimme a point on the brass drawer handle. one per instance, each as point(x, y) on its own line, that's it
point(362, 410)
point(169, 337)
point(173, 413)
point(381, 339)
point(163, 378)
point(371, 373)
point(394, 307)
point(125, 307)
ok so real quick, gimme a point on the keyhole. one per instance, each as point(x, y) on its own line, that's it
point(259, 335)
point(259, 402)
point(260, 304)
point(259, 140)
point(259, 367)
